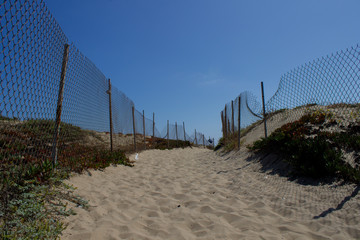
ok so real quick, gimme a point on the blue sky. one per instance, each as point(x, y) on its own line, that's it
point(184, 59)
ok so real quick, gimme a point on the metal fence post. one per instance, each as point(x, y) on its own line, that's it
point(133, 116)
point(110, 117)
point(59, 105)
point(239, 121)
point(144, 129)
point(203, 140)
point(264, 113)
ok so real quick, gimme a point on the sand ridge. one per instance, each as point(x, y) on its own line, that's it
point(194, 193)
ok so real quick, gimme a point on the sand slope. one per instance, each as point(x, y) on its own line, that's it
point(197, 194)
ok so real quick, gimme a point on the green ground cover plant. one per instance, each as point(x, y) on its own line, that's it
point(220, 144)
point(32, 191)
point(30, 209)
point(4, 118)
point(231, 142)
point(162, 144)
point(312, 150)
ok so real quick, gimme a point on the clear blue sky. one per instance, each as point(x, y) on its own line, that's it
point(184, 59)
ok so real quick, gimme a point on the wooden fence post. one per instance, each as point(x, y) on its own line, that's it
point(144, 129)
point(59, 105)
point(264, 113)
point(176, 132)
point(222, 124)
point(239, 121)
point(196, 143)
point(229, 127)
point(110, 117)
point(168, 145)
point(184, 134)
point(153, 125)
point(133, 116)
point(232, 118)
point(226, 123)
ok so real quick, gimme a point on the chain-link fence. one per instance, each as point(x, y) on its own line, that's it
point(329, 84)
point(53, 98)
point(306, 136)
point(312, 121)
point(32, 46)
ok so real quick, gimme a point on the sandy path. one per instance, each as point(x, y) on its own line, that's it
point(196, 194)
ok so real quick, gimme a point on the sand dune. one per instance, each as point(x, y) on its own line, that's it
point(198, 194)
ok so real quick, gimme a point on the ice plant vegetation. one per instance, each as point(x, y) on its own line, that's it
point(316, 145)
point(33, 197)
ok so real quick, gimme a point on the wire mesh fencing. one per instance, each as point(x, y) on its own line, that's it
point(178, 132)
point(53, 99)
point(328, 85)
point(310, 130)
point(249, 109)
point(199, 139)
point(32, 47)
point(85, 102)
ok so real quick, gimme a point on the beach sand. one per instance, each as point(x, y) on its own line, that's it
point(195, 193)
